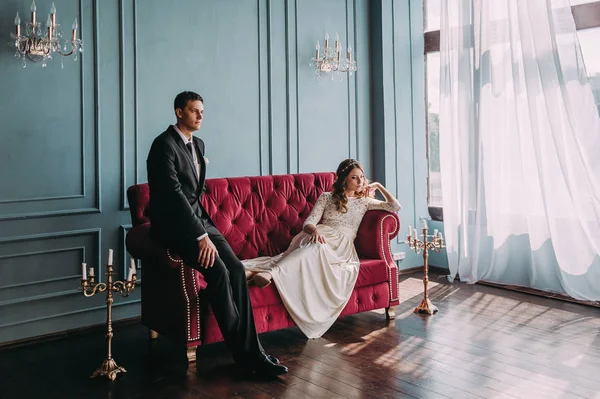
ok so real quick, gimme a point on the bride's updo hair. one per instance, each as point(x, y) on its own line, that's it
point(339, 185)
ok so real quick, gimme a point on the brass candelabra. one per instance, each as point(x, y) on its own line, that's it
point(89, 287)
point(436, 244)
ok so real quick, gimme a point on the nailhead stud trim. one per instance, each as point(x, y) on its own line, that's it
point(188, 324)
point(187, 301)
point(385, 256)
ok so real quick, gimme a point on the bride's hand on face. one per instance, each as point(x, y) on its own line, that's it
point(317, 237)
point(370, 189)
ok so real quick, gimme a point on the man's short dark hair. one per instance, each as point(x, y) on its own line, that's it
point(182, 99)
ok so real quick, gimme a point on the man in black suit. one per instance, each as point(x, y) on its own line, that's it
point(176, 174)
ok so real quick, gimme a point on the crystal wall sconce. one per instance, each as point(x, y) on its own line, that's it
point(38, 44)
point(332, 59)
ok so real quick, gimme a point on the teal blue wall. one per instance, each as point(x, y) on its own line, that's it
point(72, 140)
point(399, 115)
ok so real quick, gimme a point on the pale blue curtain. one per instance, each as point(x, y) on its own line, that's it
point(519, 147)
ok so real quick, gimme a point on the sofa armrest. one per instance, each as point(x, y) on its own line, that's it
point(372, 241)
point(374, 234)
point(140, 246)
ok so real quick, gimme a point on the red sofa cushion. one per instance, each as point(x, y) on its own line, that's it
point(372, 271)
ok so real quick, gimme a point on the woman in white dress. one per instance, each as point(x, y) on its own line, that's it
point(315, 276)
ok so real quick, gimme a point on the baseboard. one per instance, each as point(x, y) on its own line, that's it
point(544, 294)
point(441, 271)
point(410, 270)
point(419, 269)
point(65, 334)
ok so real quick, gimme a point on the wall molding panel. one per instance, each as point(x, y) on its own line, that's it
point(293, 147)
point(264, 100)
point(84, 317)
point(128, 97)
point(352, 82)
point(87, 200)
point(15, 292)
point(41, 274)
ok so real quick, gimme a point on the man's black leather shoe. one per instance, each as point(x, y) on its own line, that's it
point(266, 368)
point(273, 359)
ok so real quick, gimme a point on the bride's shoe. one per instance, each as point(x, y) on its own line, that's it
point(249, 275)
point(262, 280)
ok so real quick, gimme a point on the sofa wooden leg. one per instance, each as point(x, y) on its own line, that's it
point(152, 335)
point(389, 313)
point(191, 354)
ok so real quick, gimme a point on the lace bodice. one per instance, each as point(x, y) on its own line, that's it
point(326, 211)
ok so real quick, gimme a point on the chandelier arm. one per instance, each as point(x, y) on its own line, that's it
point(21, 47)
point(67, 54)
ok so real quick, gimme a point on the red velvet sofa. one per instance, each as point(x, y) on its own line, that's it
point(258, 216)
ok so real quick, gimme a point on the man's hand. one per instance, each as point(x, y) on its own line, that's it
point(207, 252)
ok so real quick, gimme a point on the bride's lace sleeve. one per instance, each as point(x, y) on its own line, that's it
point(374, 204)
point(317, 211)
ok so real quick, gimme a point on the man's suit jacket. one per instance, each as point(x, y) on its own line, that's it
point(175, 210)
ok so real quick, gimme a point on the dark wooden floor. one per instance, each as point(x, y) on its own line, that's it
point(484, 342)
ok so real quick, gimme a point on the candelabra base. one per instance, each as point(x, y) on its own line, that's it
point(426, 307)
point(109, 369)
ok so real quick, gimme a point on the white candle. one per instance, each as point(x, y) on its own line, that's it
point(49, 27)
point(74, 27)
point(91, 272)
point(33, 10)
point(132, 269)
point(18, 24)
point(53, 15)
point(110, 257)
point(410, 230)
point(435, 233)
point(424, 224)
point(83, 271)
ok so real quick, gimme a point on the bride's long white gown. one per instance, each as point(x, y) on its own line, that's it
point(315, 280)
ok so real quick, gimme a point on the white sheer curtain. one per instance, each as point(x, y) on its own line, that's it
point(519, 147)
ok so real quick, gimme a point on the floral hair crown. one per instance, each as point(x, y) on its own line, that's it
point(352, 164)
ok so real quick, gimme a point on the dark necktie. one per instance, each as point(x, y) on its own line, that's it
point(190, 149)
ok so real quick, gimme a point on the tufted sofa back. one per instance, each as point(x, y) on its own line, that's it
point(259, 215)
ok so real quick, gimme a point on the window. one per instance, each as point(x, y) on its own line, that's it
point(577, 2)
point(431, 23)
point(432, 61)
point(432, 15)
point(588, 41)
point(586, 14)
